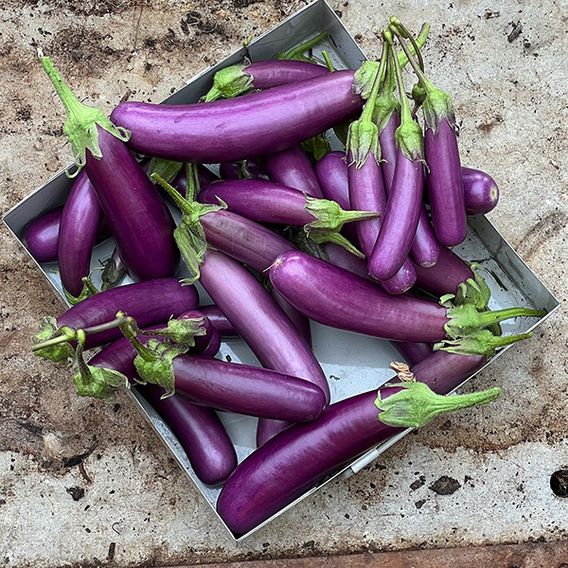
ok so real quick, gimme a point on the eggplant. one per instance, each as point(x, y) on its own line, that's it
point(136, 216)
point(207, 345)
point(218, 320)
point(300, 321)
point(259, 321)
point(481, 193)
point(40, 235)
point(292, 168)
point(413, 353)
point(387, 142)
point(204, 175)
point(198, 429)
point(297, 459)
point(333, 296)
point(247, 126)
point(236, 80)
point(149, 302)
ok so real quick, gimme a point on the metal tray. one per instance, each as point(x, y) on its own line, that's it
point(353, 363)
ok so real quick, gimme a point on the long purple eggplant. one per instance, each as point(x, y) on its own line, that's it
point(197, 428)
point(338, 298)
point(219, 320)
point(80, 221)
point(149, 302)
point(292, 168)
point(300, 321)
point(136, 216)
point(480, 191)
point(259, 321)
point(387, 141)
point(207, 345)
point(301, 456)
point(40, 235)
point(413, 353)
point(239, 79)
point(247, 126)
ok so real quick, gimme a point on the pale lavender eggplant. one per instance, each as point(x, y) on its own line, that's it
point(273, 73)
point(80, 222)
point(218, 320)
point(148, 302)
point(137, 217)
point(260, 200)
point(444, 184)
point(197, 428)
point(367, 193)
point(389, 149)
point(481, 193)
point(40, 235)
point(400, 220)
point(336, 297)
point(241, 128)
point(304, 454)
point(292, 168)
point(243, 239)
point(259, 321)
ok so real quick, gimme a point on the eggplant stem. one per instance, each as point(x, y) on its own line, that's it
point(298, 51)
point(404, 32)
point(130, 330)
point(497, 316)
point(328, 62)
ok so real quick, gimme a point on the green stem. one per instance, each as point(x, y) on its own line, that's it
point(328, 62)
point(192, 181)
point(497, 316)
point(419, 43)
point(369, 107)
point(88, 283)
point(181, 203)
point(83, 367)
point(403, 31)
point(298, 51)
point(67, 334)
point(405, 114)
point(479, 343)
point(130, 330)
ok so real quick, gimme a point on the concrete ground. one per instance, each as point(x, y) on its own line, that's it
point(84, 483)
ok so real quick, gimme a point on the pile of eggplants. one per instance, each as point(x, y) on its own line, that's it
point(358, 238)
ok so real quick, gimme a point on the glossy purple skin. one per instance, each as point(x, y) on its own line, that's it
point(197, 428)
point(481, 193)
point(80, 222)
point(259, 321)
point(400, 220)
point(300, 321)
point(206, 345)
point(268, 74)
point(240, 128)
point(243, 239)
point(444, 278)
point(389, 149)
point(367, 193)
point(41, 235)
point(204, 175)
point(336, 297)
point(260, 200)
point(138, 218)
point(247, 390)
point(331, 171)
point(232, 170)
point(301, 456)
point(149, 302)
point(444, 183)
point(292, 168)
point(218, 320)
point(413, 353)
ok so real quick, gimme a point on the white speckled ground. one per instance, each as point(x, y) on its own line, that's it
point(511, 98)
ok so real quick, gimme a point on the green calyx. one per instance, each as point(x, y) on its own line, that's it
point(82, 120)
point(189, 234)
point(329, 221)
point(465, 319)
point(158, 369)
point(416, 404)
point(59, 349)
point(437, 106)
point(362, 140)
point(229, 83)
point(364, 79)
point(474, 291)
point(87, 290)
point(482, 342)
point(410, 140)
point(316, 147)
point(385, 104)
point(166, 169)
point(183, 331)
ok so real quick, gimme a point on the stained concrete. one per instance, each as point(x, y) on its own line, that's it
point(86, 483)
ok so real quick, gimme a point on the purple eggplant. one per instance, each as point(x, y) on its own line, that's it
point(136, 216)
point(338, 298)
point(413, 353)
point(292, 168)
point(218, 320)
point(387, 141)
point(149, 302)
point(197, 428)
point(300, 321)
point(258, 320)
point(207, 345)
point(303, 455)
point(240, 170)
point(80, 222)
point(425, 249)
point(247, 126)
point(480, 191)
point(40, 236)
point(239, 79)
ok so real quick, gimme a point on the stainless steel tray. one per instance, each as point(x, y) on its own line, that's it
point(352, 362)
